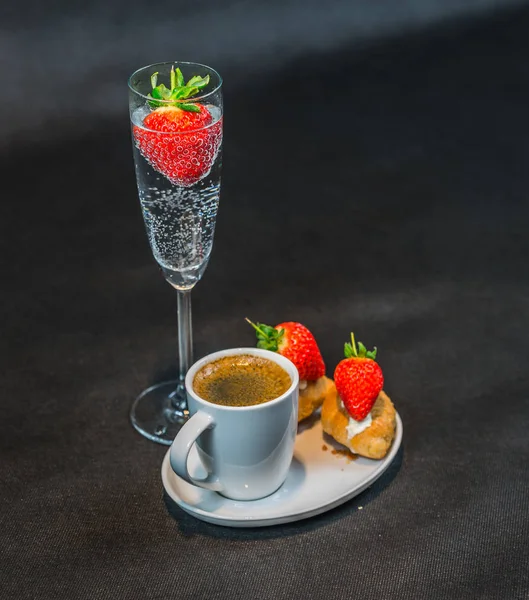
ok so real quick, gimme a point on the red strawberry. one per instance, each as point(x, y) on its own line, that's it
point(358, 379)
point(179, 139)
point(295, 342)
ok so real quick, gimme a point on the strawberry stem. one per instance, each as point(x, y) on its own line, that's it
point(268, 338)
point(353, 344)
point(258, 329)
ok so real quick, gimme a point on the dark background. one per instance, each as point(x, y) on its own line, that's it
point(375, 179)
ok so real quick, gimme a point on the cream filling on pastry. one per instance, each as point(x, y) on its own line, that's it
point(355, 427)
point(302, 384)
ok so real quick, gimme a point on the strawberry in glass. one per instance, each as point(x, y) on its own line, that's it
point(176, 121)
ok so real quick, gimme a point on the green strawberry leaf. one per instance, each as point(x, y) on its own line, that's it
point(190, 91)
point(181, 93)
point(179, 78)
point(372, 353)
point(160, 92)
point(198, 82)
point(268, 338)
point(189, 107)
point(350, 350)
point(268, 331)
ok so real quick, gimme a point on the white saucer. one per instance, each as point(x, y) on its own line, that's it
point(318, 481)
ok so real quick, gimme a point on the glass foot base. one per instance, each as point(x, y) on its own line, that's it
point(154, 415)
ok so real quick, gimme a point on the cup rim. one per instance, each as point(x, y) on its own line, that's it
point(282, 361)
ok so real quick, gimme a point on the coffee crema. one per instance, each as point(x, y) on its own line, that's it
point(241, 380)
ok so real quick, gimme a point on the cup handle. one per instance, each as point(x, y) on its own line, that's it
point(182, 445)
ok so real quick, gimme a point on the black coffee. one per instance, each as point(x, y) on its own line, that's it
point(241, 380)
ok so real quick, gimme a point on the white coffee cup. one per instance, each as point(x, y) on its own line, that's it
point(246, 450)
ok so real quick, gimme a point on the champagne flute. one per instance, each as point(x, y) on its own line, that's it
point(176, 120)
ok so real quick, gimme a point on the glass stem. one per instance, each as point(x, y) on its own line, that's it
point(185, 333)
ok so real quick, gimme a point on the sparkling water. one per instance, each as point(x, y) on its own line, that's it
point(180, 221)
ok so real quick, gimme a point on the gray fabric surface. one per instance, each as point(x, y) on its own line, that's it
point(397, 208)
point(89, 48)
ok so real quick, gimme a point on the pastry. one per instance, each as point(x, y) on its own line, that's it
point(359, 415)
point(372, 442)
point(312, 394)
